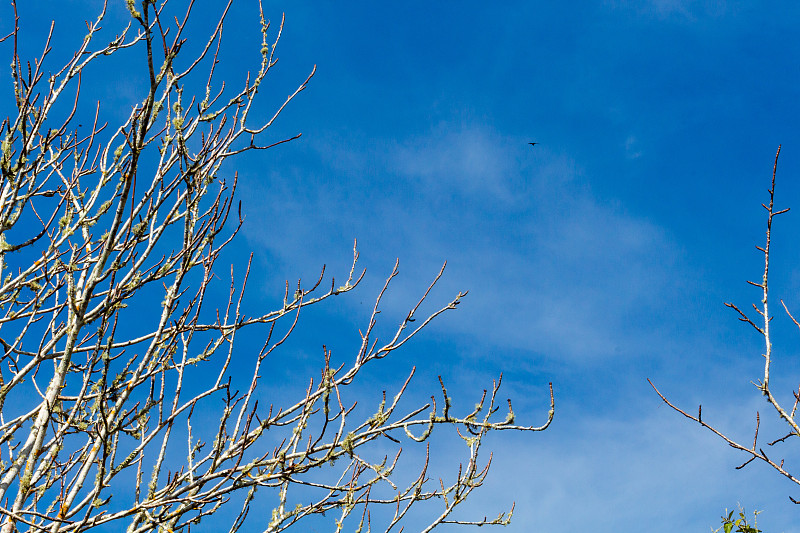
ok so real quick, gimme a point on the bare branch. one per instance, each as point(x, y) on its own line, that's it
point(116, 362)
point(764, 384)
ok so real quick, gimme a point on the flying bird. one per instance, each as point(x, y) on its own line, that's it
point(533, 144)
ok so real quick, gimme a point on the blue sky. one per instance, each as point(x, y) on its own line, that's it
point(596, 259)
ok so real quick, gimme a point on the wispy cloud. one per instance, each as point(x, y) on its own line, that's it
point(551, 266)
point(465, 161)
point(651, 471)
point(632, 150)
point(679, 10)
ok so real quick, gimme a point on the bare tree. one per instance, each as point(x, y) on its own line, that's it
point(108, 242)
point(761, 323)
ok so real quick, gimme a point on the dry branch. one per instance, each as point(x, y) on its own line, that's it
point(762, 325)
point(106, 229)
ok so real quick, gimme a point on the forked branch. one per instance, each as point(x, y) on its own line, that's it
point(127, 397)
point(762, 325)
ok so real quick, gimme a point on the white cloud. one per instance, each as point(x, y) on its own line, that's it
point(551, 267)
point(655, 472)
point(631, 150)
point(468, 161)
point(684, 11)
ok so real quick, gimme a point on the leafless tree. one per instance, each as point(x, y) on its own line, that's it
point(760, 321)
point(109, 237)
